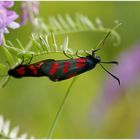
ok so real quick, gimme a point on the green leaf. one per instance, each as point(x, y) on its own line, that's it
point(54, 42)
point(9, 56)
point(65, 44)
point(4, 81)
point(2, 66)
point(43, 43)
point(20, 44)
point(36, 44)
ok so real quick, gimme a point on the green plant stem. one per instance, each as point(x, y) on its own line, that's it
point(51, 130)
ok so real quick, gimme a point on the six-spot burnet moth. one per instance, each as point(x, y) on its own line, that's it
point(58, 70)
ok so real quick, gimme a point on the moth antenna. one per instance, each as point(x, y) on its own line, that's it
point(111, 62)
point(110, 73)
point(102, 42)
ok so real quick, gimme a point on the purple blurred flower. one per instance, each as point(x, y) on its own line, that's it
point(29, 9)
point(6, 4)
point(128, 71)
point(7, 18)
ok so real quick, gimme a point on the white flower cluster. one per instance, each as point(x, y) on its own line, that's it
point(7, 133)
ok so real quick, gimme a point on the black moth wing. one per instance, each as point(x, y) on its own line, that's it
point(46, 66)
point(76, 67)
point(28, 70)
point(61, 75)
point(64, 72)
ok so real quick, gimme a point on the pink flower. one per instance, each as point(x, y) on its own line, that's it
point(29, 9)
point(7, 18)
point(7, 4)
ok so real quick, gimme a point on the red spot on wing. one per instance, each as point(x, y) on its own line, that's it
point(21, 71)
point(80, 62)
point(33, 69)
point(66, 65)
point(54, 68)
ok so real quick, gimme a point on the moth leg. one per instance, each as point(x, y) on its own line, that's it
point(87, 52)
point(22, 60)
point(67, 55)
point(30, 59)
point(77, 53)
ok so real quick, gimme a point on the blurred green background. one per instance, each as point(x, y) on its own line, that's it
point(31, 103)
